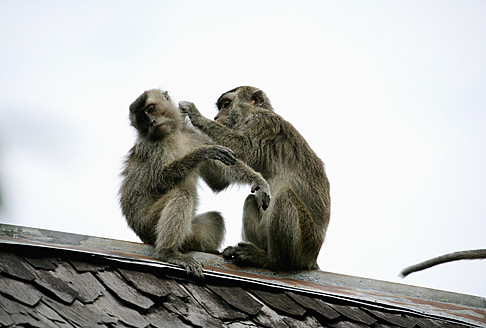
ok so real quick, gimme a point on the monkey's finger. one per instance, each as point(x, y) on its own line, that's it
point(265, 201)
point(227, 156)
point(226, 160)
point(187, 107)
point(184, 105)
point(194, 269)
point(228, 252)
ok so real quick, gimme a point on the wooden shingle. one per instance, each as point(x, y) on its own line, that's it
point(115, 309)
point(114, 282)
point(354, 313)
point(315, 304)
point(21, 291)
point(280, 302)
point(238, 298)
point(146, 282)
point(213, 304)
point(51, 284)
point(14, 266)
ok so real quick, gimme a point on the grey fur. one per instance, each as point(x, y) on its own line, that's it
point(289, 235)
point(158, 194)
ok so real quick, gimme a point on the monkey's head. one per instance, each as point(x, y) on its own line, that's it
point(154, 115)
point(235, 105)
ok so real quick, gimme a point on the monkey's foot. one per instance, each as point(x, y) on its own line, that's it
point(246, 254)
point(192, 266)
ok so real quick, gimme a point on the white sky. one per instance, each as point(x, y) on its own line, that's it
point(390, 94)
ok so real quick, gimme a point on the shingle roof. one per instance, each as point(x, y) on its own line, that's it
point(54, 279)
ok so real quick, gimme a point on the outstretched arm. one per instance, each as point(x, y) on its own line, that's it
point(217, 131)
point(173, 173)
point(218, 177)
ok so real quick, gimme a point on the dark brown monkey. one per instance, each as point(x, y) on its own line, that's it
point(289, 235)
point(158, 194)
point(474, 254)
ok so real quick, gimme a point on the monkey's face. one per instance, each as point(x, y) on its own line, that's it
point(160, 122)
point(154, 115)
point(224, 103)
point(235, 105)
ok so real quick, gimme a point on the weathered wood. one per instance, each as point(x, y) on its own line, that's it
point(87, 286)
point(5, 319)
point(269, 318)
point(50, 314)
point(241, 324)
point(354, 313)
point(52, 285)
point(147, 282)
point(79, 314)
point(117, 310)
point(280, 302)
point(347, 324)
point(238, 298)
point(12, 306)
point(307, 322)
point(19, 290)
point(88, 267)
point(191, 312)
point(11, 265)
point(429, 323)
point(393, 318)
point(315, 304)
point(161, 318)
point(26, 320)
point(212, 304)
point(44, 263)
point(114, 282)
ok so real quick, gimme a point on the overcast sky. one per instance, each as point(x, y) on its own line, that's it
point(390, 94)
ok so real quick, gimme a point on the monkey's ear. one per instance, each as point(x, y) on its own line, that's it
point(166, 95)
point(259, 99)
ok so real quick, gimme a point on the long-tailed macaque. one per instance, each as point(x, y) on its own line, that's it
point(158, 194)
point(474, 254)
point(289, 234)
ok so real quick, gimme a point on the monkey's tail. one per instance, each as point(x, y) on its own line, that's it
point(462, 255)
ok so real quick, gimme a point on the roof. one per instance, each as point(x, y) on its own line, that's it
point(55, 279)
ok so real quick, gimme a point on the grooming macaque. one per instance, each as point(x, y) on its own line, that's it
point(158, 194)
point(475, 254)
point(289, 234)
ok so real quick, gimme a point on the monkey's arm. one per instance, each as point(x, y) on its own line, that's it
point(168, 176)
point(463, 255)
point(218, 177)
point(217, 131)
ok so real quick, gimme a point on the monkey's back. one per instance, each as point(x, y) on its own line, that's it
point(289, 161)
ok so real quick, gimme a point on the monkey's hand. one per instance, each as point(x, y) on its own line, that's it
point(222, 154)
point(190, 110)
point(246, 254)
point(264, 190)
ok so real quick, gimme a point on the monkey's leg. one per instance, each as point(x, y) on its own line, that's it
point(207, 233)
point(252, 223)
point(172, 229)
point(254, 231)
point(294, 242)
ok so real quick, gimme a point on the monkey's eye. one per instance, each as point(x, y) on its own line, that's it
point(225, 103)
point(150, 109)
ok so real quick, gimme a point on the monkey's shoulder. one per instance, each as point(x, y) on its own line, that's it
point(262, 123)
